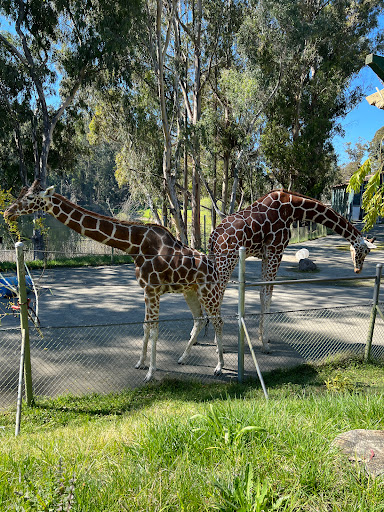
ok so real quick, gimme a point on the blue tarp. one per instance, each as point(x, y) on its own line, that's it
point(13, 282)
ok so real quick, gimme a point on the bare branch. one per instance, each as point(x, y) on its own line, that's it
point(13, 50)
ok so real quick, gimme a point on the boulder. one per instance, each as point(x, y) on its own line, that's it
point(364, 447)
point(307, 265)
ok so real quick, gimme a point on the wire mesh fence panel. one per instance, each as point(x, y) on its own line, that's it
point(102, 358)
point(313, 335)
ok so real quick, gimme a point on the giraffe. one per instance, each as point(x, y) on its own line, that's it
point(163, 264)
point(264, 230)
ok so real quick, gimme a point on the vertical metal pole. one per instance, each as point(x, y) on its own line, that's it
point(20, 390)
point(241, 311)
point(24, 322)
point(376, 292)
point(205, 233)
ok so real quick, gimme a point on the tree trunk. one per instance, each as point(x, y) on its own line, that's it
point(169, 180)
point(195, 202)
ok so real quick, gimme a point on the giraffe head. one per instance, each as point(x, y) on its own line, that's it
point(359, 249)
point(30, 200)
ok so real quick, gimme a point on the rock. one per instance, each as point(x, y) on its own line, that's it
point(307, 265)
point(365, 447)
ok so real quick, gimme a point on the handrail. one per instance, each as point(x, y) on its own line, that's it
point(301, 281)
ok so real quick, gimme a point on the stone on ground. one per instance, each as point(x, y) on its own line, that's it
point(365, 447)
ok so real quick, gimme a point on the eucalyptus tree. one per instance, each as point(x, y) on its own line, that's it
point(127, 119)
point(240, 92)
point(58, 46)
point(14, 115)
point(326, 42)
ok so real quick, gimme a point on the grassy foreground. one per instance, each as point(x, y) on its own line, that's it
point(194, 447)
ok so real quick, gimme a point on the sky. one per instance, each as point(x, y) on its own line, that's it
point(364, 120)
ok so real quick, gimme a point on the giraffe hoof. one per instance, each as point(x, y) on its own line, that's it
point(218, 371)
point(149, 377)
point(140, 366)
point(182, 359)
point(266, 349)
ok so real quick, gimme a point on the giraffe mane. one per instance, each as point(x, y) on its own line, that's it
point(292, 193)
point(107, 217)
point(297, 194)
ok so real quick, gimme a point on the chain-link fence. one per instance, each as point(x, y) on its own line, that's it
point(102, 358)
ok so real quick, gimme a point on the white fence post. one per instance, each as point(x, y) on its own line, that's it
point(376, 292)
point(25, 356)
point(241, 310)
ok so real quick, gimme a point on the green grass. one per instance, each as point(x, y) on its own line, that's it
point(77, 261)
point(183, 446)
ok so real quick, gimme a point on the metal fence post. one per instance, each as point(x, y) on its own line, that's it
point(376, 292)
point(24, 322)
point(241, 310)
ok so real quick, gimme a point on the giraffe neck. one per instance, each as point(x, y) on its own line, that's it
point(309, 209)
point(126, 236)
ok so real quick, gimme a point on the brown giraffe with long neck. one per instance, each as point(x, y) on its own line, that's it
point(264, 230)
point(163, 264)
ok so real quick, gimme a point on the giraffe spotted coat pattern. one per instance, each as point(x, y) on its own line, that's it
point(264, 230)
point(163, 264)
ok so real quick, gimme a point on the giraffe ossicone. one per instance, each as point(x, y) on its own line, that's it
point(163, 265)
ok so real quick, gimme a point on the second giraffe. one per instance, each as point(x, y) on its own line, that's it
point(264, 230)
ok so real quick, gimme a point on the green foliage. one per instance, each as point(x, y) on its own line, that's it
point(339, 382)
point(57, 494)
point(373, 195)
point(358, 177)
point(6, 199)
point(244, 495)
point(226, 429)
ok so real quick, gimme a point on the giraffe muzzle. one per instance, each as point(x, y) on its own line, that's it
point(9, 216)
point(357, 270)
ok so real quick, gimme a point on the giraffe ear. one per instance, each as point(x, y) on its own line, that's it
point(48, 192)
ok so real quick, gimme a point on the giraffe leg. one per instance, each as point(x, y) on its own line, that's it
point(198, 323)
point(151, 332)
point(212, 304)
point(269, 267)
point(265, 302)
point(140, 365)
point(218, 325)
point(154, 334)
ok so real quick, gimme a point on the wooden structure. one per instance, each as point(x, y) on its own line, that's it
point(376, 63)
